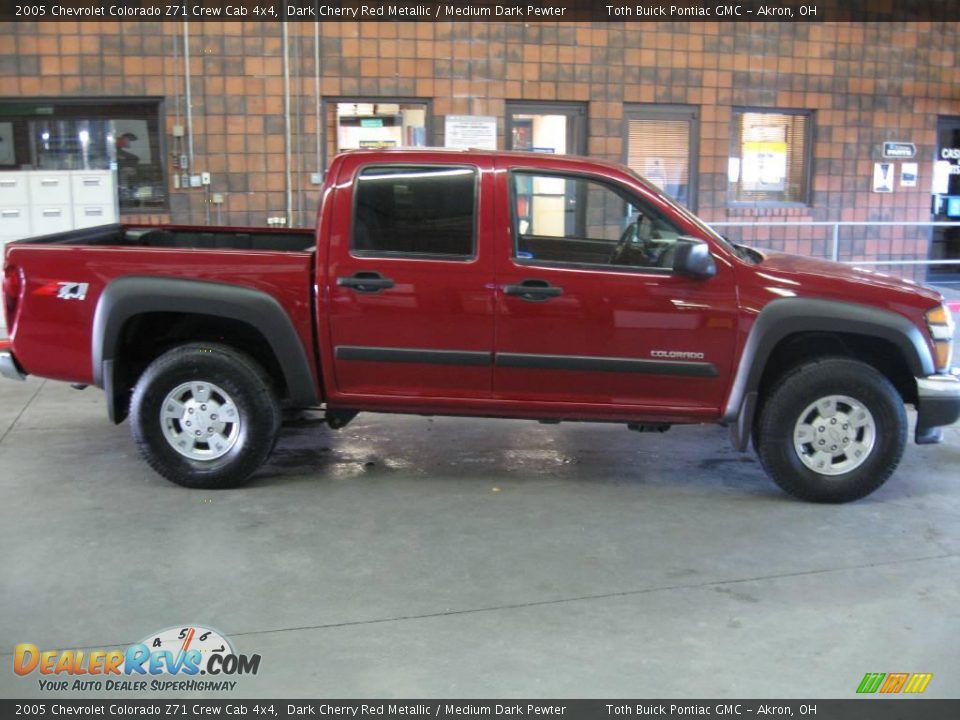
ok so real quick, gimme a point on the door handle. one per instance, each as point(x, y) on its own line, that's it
point(533, 290)
point(369, 282)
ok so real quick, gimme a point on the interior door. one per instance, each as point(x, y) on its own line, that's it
point(599, 317)
point(945, 241)
point(411, 281)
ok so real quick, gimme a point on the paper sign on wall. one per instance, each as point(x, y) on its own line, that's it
point(883, 177)
point(908, 175)
point(764, 166)
point(470, 131)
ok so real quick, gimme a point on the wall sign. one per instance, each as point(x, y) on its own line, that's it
point(908, 174)
point(764, 165)
point(897, 149)
point(883, 177)
point(470, 131)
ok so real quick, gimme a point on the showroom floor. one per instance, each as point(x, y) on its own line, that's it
point(411, 557)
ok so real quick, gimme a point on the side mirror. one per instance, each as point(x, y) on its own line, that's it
point(692, 258)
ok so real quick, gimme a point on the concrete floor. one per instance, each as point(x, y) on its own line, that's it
point(409, 557)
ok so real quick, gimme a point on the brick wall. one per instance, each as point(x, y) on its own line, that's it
point(865, 82)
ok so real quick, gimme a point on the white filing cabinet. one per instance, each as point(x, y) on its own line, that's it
point(94, 200)
point(14, 206)
point(51, 207)
point(14, 214)
point(14, 189)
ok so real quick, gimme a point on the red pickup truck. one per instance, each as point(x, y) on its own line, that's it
point(508, 285)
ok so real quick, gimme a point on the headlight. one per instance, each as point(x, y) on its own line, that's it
point(941, 325)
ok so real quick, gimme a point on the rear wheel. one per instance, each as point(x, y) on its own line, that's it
point(205, 416)
point(832, 431)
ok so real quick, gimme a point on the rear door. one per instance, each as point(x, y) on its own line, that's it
point(410, 278)
point(589, 310)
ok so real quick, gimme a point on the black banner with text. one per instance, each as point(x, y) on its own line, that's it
point(481, 10)
point(866, 709)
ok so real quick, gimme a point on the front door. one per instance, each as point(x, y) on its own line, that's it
point(590, 313)
point(410, 281)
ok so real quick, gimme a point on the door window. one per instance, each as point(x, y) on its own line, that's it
point(562, 219)
point(422, 211)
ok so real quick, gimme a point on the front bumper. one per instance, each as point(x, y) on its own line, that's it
point(938, 404)
point(8, 365)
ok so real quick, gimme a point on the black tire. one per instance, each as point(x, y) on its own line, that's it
point(805, 385)
point(244, 383)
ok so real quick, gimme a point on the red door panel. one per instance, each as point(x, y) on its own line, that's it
point(615, 336)
point(412, 322)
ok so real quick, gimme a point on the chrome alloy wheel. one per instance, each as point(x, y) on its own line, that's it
point(200, 421)
point(834, 435)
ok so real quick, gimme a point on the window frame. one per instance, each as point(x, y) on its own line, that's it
point(111, 101)
point(577, 135)
point(808, 138)
point(659, 111)
point(359, 99)
point(533, 262)
point(399, 255)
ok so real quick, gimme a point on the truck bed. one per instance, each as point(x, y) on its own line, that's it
point(185, 237)
point(275, 262)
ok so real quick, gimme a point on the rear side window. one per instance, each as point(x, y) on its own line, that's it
point(415, 210)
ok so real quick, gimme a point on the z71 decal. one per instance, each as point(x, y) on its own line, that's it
point(64, 290)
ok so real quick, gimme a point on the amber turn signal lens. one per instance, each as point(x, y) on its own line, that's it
point(941, 350)
point(939, 316)
point(940, 322)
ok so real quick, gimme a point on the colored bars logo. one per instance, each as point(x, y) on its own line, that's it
point(894, 683)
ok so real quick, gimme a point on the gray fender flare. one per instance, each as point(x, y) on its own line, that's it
point(129, 296)
point(787, 316)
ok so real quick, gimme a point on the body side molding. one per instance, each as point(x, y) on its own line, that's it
point(607, 364)
point(522, 360)
point(413, 355)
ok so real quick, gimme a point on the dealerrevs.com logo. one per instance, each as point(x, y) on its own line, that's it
point(169, 660)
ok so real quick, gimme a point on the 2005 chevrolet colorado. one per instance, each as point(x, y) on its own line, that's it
point(483, 284)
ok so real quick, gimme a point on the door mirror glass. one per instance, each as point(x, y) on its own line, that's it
point(692, 258)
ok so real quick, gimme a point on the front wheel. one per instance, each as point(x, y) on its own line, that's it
point(832, 431)
point(205, 416)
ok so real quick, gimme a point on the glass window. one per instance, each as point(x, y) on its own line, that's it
point(377, 124)
point(770, 156)
point(661, 147)
point(415, 211)
point(555, 128)
point(567, 219)
point(83, 135)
